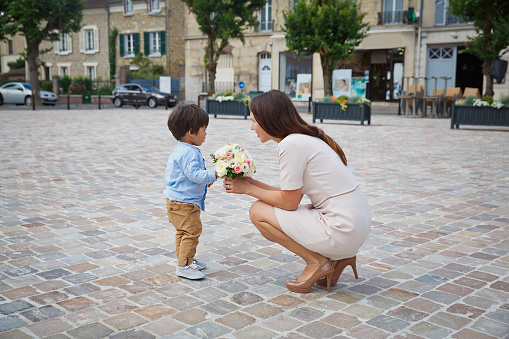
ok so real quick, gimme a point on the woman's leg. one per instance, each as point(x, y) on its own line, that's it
point(264, 218)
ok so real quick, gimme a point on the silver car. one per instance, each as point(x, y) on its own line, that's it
point(21, 93)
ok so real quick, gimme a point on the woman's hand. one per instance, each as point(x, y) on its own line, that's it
point(238, 186)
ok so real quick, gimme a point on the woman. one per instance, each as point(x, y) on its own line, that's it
point(327, 233)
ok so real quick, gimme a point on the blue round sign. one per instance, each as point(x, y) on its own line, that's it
point(241, 85)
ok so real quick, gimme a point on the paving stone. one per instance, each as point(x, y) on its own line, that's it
point(281, 323)
point(191, 316)
point(133, 334)
point(15, 334)
point(469, 311)
point(440, 297)
point(491, 327)
point(117, 307)
point(14, 307)
point(42, 313)
point(183, 302)
point(470, 334)
point(18, 293)
point(306, 314)
point(76, 303)
point(155, 311)
point(286, 301)
point(317, 329)
point(254, 332)
point(341, 320)
point(49, 327)
point(398, 294)
point(452, 321)
point(124, 321)
point(388, 324)
point(94, 330)
point(245, 298)
point(49, 298)
point(236, 320)
point(364, 331)
point(10, 322)
point(85, 316)
point(82, 289)
point(428, 330)
point(263, 310)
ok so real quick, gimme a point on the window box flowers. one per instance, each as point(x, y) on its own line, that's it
point(228, 104)
point(343, 108)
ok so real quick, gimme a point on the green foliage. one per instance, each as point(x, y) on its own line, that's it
point(354, 99)
point(222, 20)
point(505, 101)
point(82, 85)
point(469, 100)
point(17, 64)
point(113, 52)
point(158, 69)
point(327, 99)
point(488, 99)
point(332, 28)
point(228, 94)
point(65, 82)
point(145, 68)
point(218, 94)
point(46, 85)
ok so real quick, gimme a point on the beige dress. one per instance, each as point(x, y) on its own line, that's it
point(338, 220)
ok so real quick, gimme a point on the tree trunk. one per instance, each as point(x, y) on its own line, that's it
point(211, 66)
point(33, 48)
point(487, 77)
point(327, 77)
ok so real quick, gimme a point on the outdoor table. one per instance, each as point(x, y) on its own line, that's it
point(434, 104)
point(405, 99)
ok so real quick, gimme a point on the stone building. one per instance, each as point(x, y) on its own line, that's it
point(10, 50)
point(84, 53)
point(409, 40)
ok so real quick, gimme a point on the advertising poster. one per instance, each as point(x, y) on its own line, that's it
point(341, 82)
point(303, 87)
point(359, 86)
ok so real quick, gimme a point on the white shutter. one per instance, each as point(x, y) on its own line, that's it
point(82, 41)
point(56, 46)
point(440, 6)
point(69, 43)
point(96, 40)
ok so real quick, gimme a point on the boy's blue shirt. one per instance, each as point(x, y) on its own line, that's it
point(186, 177)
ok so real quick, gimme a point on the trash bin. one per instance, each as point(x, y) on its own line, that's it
point(87, 98)
point(252, 94)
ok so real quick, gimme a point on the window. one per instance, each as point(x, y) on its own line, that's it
point(128, 6)
point(64, 71)
point(266, 17)
point(154, 6)
point(63, 42)
point(155, 43)
point(89, 40)
point(91, 72)
point(129, 45)
point(393, 12)
point(11, 48)
point(442, 16)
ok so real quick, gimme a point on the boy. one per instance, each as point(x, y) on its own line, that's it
point(186, 185)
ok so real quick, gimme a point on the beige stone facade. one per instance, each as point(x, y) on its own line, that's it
point(11, 50)
point(393, 47)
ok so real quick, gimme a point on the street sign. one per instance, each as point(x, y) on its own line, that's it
point(241, 85)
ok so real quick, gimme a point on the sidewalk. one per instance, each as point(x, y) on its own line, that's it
point(86, 250)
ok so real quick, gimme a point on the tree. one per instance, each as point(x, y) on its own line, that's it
point(222, 20)
point(491, 22)
point(332, 28)
point(16, 64)
point(39, 20)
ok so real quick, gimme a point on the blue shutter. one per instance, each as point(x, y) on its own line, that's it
point(122, 47)
point(162, 34)
point(136, 37)
point(146, 42)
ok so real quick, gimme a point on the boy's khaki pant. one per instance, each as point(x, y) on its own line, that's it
point(185, 218)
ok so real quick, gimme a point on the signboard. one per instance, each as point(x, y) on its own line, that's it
point(165, 84)
point(341, 82)
point(303, 87)
point(241, 85)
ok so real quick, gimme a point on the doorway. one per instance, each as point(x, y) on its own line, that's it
point(468, 71)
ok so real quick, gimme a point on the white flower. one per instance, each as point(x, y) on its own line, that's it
point(222, 98)
point(233, 161)
point(497, 104)
point(221, 168)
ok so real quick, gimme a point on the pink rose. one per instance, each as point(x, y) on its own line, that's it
point(238, 168)
point(249, 162)
point(229, 155)
point(218, 156)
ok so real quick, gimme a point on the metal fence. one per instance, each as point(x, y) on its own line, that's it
point(175, 85)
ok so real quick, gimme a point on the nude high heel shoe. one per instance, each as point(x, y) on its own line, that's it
point(338, 269)
point(323, 272)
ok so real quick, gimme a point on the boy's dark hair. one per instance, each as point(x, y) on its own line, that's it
point(186, 117)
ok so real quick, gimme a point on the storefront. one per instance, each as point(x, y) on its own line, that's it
point(295, 75)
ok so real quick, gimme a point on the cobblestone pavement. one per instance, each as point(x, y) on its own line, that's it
point(87, 252)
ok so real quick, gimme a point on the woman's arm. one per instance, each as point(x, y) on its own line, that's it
point(287, 200)
point(261, 184)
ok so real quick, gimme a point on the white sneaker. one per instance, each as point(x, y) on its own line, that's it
point(200, 264)
point(190, 272)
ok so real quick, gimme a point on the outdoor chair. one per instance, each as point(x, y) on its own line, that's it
point(472, 92)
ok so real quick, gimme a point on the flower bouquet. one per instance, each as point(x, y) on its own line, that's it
point(233, 161)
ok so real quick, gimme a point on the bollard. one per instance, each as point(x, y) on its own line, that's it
point(309, 104)
point(33, 102)
point(68, 101)
point(166, 102)
point(99, 101)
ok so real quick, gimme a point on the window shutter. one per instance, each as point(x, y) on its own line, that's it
point(96, 40)
point(69, 43)
point(56, 46)
point(440, 7)
point(146, 42)
point(136, 37)
point(162, 34)
point(82, 41)
point(122, 49)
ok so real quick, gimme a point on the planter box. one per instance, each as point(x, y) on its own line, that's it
point(333, 111)
point(226, 108)
point(475, 115)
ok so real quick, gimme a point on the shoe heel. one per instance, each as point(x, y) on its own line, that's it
point(329, 280)
point(354, 268)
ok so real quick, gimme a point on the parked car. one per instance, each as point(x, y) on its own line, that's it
point(140, 95)
point(21, 93)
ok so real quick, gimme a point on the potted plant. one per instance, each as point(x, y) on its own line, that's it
point(343, 108)
point(228, 104)
point(485, 111)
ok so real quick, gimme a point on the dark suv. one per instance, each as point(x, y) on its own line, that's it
point(140, 95)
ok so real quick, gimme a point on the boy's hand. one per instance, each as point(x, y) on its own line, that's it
point(211, 184)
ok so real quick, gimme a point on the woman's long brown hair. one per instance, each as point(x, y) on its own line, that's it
point(277, 115)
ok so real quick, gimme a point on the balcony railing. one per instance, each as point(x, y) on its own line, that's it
point(265, 26)
point(392, 18)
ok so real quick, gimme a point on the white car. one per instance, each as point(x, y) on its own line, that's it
point(21, 93)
